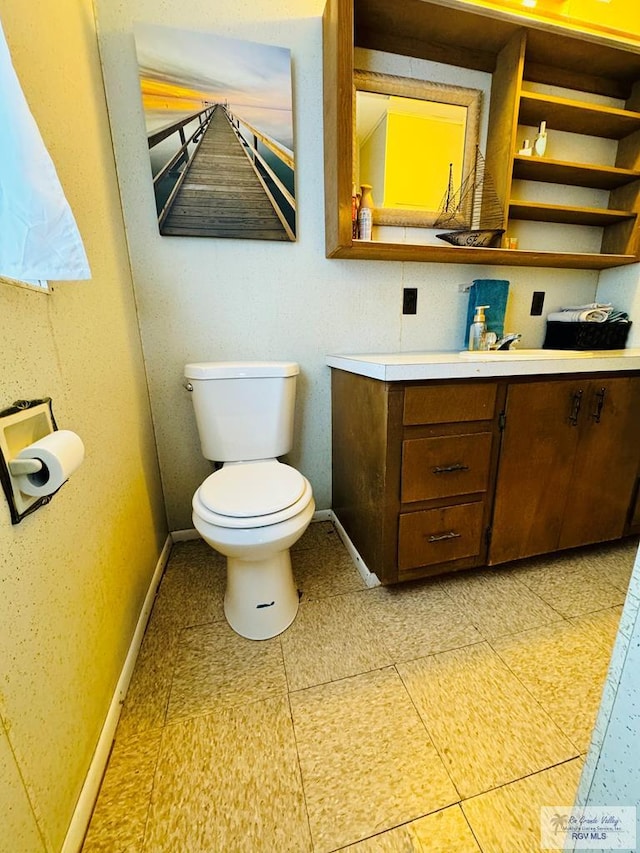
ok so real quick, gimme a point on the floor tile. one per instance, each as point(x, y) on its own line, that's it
point(574, 592)
point(191, 592)
point(120, 813)
point(214, 667)
point(415, 620)
point(488, 729)
point(497, 603)
point(564, 669)
point(367, 762)
point(145, 705)
point(192, 589)
point(614, 559)
point(602, 625)
point(320, 572)
point(319, 534)
point(507, 819)
point(229, 781)
point(331, 638)
point(446, 831)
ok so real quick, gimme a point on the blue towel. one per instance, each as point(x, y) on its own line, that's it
point(492, 292)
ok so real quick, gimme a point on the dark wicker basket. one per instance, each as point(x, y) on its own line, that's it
point(586, 336)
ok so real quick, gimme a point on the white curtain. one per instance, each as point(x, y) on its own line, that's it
point(39, 238)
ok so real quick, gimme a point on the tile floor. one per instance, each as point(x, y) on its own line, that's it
point(437, 716)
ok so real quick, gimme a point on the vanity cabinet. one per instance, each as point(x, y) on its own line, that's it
point(520, 58)
point(434, 476)
point(568, 464)
point(413, 472)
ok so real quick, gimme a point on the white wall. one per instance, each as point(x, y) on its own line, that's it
point(74, 574)
point(202, 299)
point(611, 776)
point(622, 287)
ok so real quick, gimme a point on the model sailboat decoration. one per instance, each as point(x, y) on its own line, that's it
point(473, 212)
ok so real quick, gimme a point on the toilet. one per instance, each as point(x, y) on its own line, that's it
point(253, 508)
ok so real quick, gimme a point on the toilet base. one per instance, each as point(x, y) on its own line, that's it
point(261, 599)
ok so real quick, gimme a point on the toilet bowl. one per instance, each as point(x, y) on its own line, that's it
point(253, 512)
point(254, 507)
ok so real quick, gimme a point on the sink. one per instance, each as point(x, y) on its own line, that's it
point(522, 354)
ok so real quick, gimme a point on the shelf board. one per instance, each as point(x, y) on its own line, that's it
point(549, 171)
point(376, 250)
point(471, 37)
point(576, 116)
point(536, 212)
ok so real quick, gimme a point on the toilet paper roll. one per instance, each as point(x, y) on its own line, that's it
point(60, 452)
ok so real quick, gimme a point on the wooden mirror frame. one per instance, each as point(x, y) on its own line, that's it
point(443, 93)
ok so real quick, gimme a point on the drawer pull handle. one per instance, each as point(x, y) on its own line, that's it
point(576, 403)
point(600, 395)
point(439, 537)
point(450, 469)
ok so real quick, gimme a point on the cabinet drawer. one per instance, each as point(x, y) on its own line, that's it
point(443, 404)
point(444, 466)
point(439, 535)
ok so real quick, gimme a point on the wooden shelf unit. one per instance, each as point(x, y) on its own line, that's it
point(538, 212)
point(546, 170)
point(577, 116)
point(441, 31)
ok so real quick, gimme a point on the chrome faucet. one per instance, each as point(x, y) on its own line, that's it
point(506, 341)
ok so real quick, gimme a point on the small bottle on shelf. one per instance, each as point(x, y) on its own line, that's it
point(354, 212)
point(540, 142)
point(365, 213)
point(526, 150)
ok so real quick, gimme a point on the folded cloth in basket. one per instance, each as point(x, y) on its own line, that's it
point(588, 315)
point(595, 312)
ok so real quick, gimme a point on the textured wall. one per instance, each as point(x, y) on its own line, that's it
point(202, 299)
point(73, 576)
point(611, 776)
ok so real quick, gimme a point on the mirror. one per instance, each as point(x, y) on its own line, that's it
point(408, 136)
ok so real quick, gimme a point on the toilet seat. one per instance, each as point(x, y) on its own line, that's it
point(252, 494)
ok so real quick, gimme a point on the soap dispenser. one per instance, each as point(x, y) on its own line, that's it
point(478, 329)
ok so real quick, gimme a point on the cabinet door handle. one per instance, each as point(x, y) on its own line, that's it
point(450, 469)
point(600, 395)
point(576, 402)
point(441, 536)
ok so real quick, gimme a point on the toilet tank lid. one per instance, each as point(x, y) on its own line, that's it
point(239, 369)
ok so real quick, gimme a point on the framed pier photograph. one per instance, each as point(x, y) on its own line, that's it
point(219, 123)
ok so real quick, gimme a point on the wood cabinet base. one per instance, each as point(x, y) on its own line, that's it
point(433, 477)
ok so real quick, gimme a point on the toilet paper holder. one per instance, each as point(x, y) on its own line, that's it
point(21, 424)
point(24, 466)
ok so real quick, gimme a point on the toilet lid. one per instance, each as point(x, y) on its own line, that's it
point(252, 489)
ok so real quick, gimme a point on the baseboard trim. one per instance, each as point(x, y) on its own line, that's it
point(184, 535)
point(91, 787)
point(368, 577)
point(322, 515)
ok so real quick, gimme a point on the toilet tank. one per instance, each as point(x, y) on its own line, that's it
point(244, 410)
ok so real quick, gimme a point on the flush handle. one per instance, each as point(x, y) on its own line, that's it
point(188, 386)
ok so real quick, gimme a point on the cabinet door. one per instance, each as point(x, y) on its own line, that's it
point(606, 462)
point(537, 454)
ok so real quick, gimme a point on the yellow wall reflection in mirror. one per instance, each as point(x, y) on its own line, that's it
point(406, 151)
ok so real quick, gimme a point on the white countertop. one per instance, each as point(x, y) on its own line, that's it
point(465, 365)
